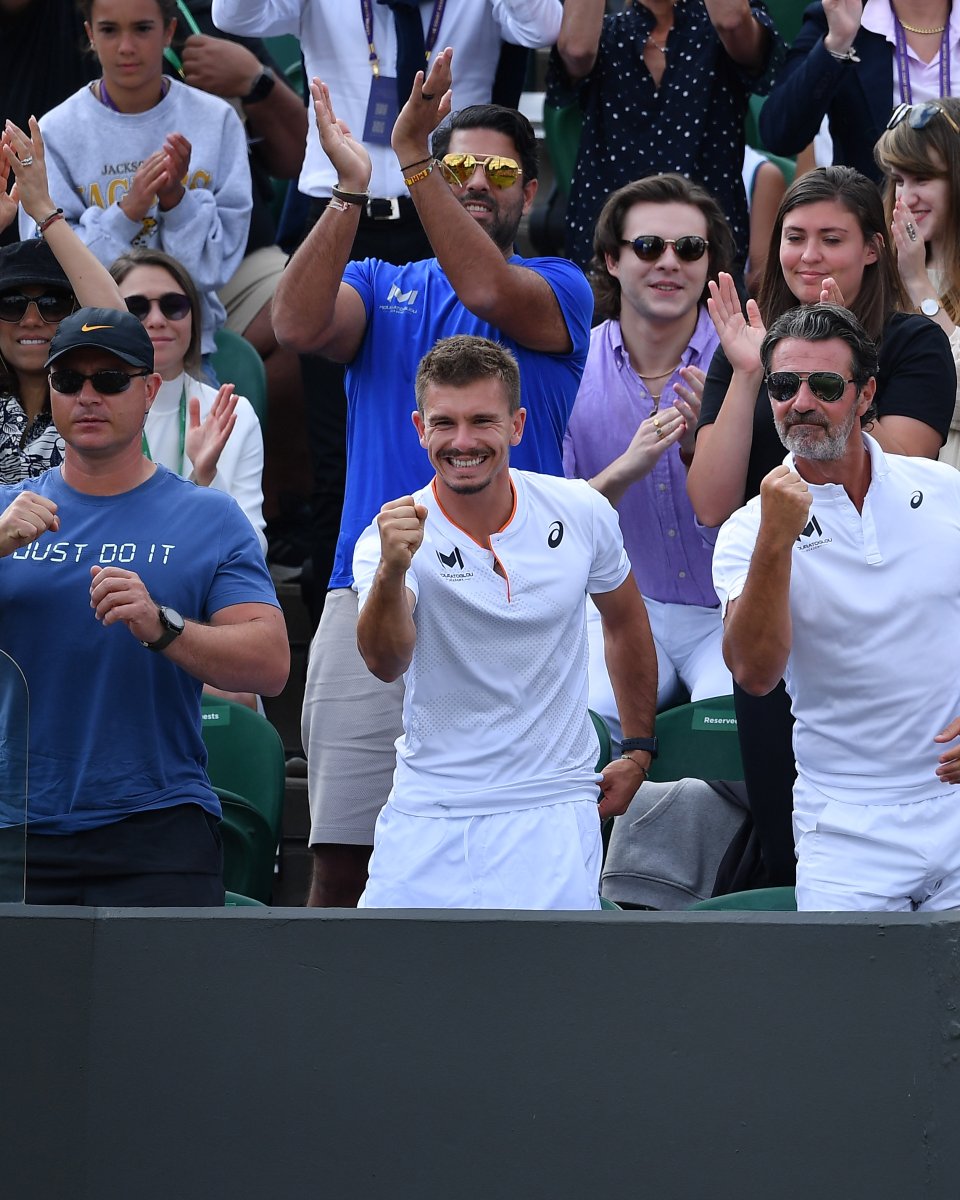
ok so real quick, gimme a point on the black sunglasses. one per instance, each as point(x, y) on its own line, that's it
point(826, 385)
point(919, 116)
point(52, 306)
point(174, 305)
point(107, 382)
point(648, 247)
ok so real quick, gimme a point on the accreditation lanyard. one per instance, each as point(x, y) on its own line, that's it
point(903, 60)
point(429, 40)
point(145, 445)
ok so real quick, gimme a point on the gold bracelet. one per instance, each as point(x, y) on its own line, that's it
point(359, 198)
point(421, 175)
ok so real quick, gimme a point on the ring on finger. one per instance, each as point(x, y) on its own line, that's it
point(656, 421)
point(25, 162)
point(911, 231)
point(659, 434)
point(428, 95)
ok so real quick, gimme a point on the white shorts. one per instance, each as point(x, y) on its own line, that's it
point(351, 721)
point(877, 857)
point(535, 858)
point(688, 640)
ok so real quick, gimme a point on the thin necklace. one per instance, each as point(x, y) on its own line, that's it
point(662, 375)
point(917, 29)
point(651, 42)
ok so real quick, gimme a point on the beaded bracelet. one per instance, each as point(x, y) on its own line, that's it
point(421, 175)
point(44, 225)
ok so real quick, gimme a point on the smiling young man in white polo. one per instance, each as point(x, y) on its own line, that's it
point(474, 589)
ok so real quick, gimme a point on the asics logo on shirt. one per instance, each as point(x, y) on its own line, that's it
point(555, 535)
point(916, 499)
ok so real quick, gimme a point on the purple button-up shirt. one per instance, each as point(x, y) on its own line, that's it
point(671, 560)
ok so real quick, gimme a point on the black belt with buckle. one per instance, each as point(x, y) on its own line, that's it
point(385, 209)
point(377, 208)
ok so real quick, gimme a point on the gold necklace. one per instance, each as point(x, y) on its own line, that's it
point(918, 28)
point(662, 375)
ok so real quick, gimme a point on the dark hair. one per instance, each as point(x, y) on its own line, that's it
point(463, 359)
point(30, 263)
point(881, 291)
point(655, 189)
point(168, 9)
point(493, 116)
point(145, 257)
point(823, 323)
point(933, 152)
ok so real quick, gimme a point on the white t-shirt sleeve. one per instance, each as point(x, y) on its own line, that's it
point(366, 559)
point(733, 552)
point(610, 565)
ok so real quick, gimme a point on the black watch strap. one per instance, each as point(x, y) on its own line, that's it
point(650, 744)
point(263, 85)
point(172, 624)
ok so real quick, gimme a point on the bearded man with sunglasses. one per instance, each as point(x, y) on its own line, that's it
point(380, 319)
point(137, 586)
point(843, 577)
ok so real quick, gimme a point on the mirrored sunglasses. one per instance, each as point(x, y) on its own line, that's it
point(648, 247)
point(107, 382)
point(826, 385)
point(459, 168)
point(51, 306)
point(174, 305)
point(919, 116)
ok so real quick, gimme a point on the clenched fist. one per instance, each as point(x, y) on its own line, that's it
point(401, 525)
point(785, 502)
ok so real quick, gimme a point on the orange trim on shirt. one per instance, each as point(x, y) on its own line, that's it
point(496, 559)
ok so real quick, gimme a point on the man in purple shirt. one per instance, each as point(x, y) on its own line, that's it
point(631, 433)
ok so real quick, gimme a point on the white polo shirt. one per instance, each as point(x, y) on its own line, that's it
point(495, 710)
point(874, 669)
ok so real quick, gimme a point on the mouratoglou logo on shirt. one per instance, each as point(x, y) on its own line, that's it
point(454, 564)
point(400, 302)
point(814, 535)
point(555, 535)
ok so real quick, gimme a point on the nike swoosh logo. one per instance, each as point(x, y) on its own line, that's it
point(91, 328)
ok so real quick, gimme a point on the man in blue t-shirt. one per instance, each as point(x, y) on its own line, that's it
point(123, 588)
point(380, 319)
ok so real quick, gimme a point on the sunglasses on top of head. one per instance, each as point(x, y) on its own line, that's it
point(174, 305)
point(51, 306)
point(919, 116)
point(827, 386)
point(459, 168)
point(648, 247)
point(107, 382)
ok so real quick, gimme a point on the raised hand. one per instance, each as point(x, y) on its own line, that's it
point(23, 156)
point(911, 252)
point(206, 439)
point(176, 151)
point(142, 194)
point(785, 502)
point(349, 156)
point(401, 525)
point(843, 23)
point(740, 336)
point(830, 292)
point(429, 102)
point(689, 395)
